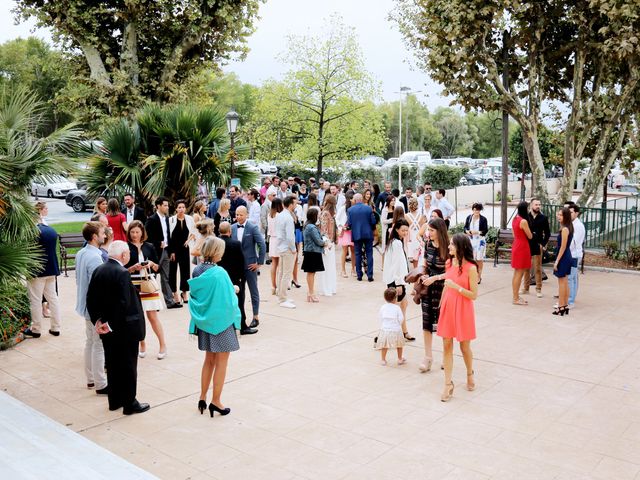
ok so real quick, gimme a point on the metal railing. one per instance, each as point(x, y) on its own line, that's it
point(604, 224)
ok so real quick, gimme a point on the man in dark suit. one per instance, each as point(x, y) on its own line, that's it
point(115, 309)
point(254, 249)
point(233, 262)
point(158, 232)
point(131, 210)
point(362, 221)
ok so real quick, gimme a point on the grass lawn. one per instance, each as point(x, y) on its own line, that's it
point(68, 227)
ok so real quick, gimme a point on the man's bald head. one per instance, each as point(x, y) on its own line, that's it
point(224, 229)
point(241, 214)
point(357, 198)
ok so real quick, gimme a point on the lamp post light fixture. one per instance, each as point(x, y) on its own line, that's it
point(232, 127)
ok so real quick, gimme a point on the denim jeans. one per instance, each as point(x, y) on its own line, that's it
point(573, 281)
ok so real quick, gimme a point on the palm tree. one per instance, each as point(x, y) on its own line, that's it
point(163, 152)
point(23, 154)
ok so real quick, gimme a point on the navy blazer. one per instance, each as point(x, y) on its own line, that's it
point(47, 253)
point(362, 221)
point(484, 228)
point(252, 239)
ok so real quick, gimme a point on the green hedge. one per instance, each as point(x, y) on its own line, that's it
point(443, 176)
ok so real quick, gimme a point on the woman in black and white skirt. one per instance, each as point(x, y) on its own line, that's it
point(313, 247)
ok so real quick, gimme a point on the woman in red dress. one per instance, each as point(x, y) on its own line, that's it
point(117, 220)
point(457, 316)
point(520, 251)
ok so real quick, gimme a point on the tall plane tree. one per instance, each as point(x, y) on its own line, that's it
point(138, 50)
point(581, 55)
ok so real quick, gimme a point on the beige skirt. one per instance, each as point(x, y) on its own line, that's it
point(390, 339)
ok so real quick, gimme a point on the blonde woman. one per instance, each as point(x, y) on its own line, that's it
point(222, 215)
point(327, 279)
point(204, 230)
point(276, 208)
point(215, 316)
point(199, 211)
point(415, 220)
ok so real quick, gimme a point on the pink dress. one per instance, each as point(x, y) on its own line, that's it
point(457, 315)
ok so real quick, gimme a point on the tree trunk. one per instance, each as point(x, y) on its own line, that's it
point(603, 160)
point(96, 65)
point(531, 146)
point(320, 140)
point(129, 55)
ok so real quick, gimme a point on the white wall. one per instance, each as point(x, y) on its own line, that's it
point(486, 193)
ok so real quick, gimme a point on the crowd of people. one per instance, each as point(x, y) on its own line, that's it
point(208, 258)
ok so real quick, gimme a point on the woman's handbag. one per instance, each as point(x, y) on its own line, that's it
point(419, 290)
point(149, 284)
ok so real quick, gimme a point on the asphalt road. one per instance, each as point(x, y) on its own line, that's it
point(60, 212)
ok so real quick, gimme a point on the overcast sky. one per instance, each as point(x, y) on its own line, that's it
point(386, 56)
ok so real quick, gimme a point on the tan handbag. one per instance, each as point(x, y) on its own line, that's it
point(149, 284)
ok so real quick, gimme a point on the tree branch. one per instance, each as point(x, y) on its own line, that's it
point(96, 65)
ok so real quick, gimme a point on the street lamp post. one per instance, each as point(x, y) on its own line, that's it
point(232, 127)
point(406, 91)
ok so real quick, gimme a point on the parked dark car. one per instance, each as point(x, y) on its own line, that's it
point(479, 175)
point(79, 200)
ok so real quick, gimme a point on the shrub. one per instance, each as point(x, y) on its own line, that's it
point(492, 235)
point(443, 176)
point(365, 173)
point(409, 176)
point(459, 228)
point(15, 314)
point(633, 255)
point(611, 248)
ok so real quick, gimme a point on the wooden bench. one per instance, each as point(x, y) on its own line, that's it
point(505, 240)
point(67, 241)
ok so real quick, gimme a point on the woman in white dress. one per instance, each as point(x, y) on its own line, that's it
point(327, 280)
point(276, 208)
point(344, 237)
point(415, 221)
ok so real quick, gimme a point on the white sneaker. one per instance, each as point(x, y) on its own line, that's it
point(287, 304)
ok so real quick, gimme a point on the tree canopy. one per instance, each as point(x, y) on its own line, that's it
point(141, 50)
point(582, 55)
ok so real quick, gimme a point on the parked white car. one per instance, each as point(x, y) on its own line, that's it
point(251, 166)
point(264, 167)
point(51, 186)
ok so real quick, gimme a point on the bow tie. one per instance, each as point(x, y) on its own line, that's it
point(240, 226)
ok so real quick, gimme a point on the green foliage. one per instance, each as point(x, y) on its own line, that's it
point(163, 151)
point(323, 109)
point(633, 255)
point(409, 176)
point(68, 227)
point(23, 154)
point(459, 228)
point(492, 235)
point(30, 63)
point(374, 175)
point(15, 312)
point(443, 176)
point(611, 248)
point(454, 132)
point(551, 149)
point(138, 50)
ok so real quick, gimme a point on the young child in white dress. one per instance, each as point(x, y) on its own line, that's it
point(390, 335)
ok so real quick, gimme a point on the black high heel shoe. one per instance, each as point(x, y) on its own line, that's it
point(562, 311)
point(294, 284)
point(202, 406)
point(223, 412)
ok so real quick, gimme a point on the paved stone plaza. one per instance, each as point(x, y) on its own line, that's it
point(557, 397)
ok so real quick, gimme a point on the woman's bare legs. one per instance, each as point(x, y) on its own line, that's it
point(274, 270)
point(207, 373)
point(219, 374)
point(467, 354)
point(447, 361)
point(156, 325)
point(516, 281)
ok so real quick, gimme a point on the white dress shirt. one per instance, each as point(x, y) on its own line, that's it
point(165, 233)
point(130, 214)
point(579, 234)
point(240, 231)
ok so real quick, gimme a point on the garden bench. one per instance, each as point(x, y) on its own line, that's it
point(67, 241)
point(505, 240)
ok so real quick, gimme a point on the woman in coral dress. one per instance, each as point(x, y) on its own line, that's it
point(520, 251)
point(457, 318)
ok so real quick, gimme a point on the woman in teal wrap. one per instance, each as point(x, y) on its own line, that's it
point(215, 316)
